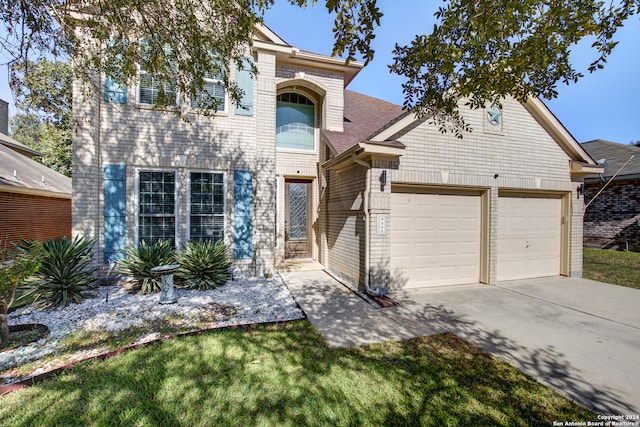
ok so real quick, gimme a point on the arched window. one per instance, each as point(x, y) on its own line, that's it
point(295, 122)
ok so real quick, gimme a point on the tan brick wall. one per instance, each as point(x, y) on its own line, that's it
point(143, 138)
point(346, 223)
point(519, 156)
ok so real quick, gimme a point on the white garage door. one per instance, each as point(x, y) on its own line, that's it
point(435, 239)
point(529, 237)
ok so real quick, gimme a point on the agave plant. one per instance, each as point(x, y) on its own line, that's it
point(204, 265)
point(64, 274)
point(139, 261)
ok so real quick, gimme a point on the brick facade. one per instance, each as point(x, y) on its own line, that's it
point(612, 220)
point(25, 216)
point(142, 138)
point(522, 155)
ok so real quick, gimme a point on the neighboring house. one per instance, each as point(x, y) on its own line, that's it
point(35, 201)
point(306, 170)
point(613, 219)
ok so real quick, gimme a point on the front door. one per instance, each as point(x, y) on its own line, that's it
point(297, 227)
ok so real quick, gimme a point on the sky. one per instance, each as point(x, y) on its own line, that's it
point(602, 105)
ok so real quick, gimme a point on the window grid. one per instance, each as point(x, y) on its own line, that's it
point(156, 207)
point(206, 219)
point(152, 90)
point(295, 122)
point(212, 93)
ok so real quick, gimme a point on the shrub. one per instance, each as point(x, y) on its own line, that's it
point(17, 267)
point(204, 265)
point(139, 261)
point(64, 275)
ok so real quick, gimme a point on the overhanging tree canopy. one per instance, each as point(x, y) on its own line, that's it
point(480, 50)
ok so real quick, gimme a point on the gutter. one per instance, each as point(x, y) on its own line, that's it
point(377, 291)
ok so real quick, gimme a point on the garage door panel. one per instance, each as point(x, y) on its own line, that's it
point(529, 237)
point(445, 239)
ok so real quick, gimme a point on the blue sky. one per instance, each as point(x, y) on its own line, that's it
point(601, 105)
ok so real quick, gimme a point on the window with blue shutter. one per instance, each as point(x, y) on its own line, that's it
point(114, 92)
point(242, 214)
point(115, 211)
point(157, 206)
point(244, 80)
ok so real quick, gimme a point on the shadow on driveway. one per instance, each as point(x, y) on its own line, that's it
point(576, 336)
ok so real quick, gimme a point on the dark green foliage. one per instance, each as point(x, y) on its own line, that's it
point(42, 92)
point(139, 261)
point(15, 267)
point(64, 275)
point(204, 265)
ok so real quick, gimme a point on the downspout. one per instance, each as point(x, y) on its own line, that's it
point(377, 291)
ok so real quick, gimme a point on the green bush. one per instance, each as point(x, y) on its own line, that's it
point(139, 261)
point(15, 267)
point(64, 274)
point(204, 265)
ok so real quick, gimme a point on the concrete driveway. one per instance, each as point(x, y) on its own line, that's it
point(580, 337)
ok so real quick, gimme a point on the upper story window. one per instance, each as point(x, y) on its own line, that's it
point(151, 89)
point(212, 94)
point(295, 122)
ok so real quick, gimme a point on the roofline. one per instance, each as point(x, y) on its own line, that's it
point(401, 123)
point(361, 150)
point(536, 107)
point(7, 141)
point(271, 35)
point(544, 115)
point(609, 178)
point(293, 55)
point(33, 192)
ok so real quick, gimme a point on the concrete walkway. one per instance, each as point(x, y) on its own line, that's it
point(577, 336)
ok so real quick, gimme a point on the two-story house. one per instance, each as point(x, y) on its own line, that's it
point(304, 169)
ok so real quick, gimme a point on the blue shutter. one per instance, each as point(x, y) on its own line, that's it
point(242, 214)
point(244, 80)
point(114, 92)
point(115, 211)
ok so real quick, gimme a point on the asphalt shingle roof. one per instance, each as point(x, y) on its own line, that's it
point(363, 116)
point(29, 174)
point(615, 155)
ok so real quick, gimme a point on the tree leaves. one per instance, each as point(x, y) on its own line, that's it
point(480, 51)
point(483, 51)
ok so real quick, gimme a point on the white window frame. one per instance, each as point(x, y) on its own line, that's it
point(142, 72)
point(315, 128)
point(224, 202)
point(175, 202)
point(226, 97)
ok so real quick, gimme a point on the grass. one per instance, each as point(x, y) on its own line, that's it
point(20, 338)
point(606, 265)
point(285, 375)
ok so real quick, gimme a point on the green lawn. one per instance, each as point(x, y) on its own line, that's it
point(279, 375)
point(619, 268)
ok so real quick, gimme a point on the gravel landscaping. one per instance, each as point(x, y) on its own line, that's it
point(238, 302)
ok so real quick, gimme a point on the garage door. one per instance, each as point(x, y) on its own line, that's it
point(529, 237)
point(435, 239)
